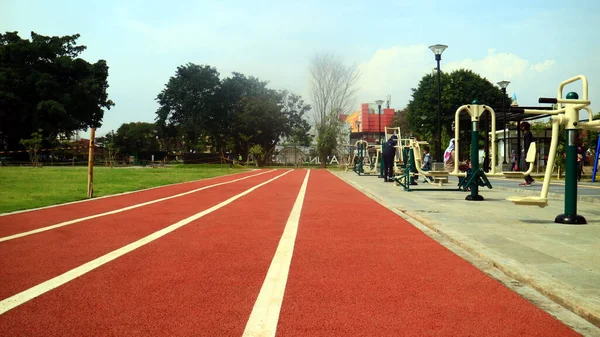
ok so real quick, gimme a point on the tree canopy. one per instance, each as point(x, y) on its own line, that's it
point(232, 114)
point(459, 87)
point(45, 85)
point(137, 138)
point(188, 100)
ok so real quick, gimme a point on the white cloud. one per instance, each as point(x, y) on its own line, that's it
point(493, 66)
point(398, 69)
point(393, 71)
point(543, 66)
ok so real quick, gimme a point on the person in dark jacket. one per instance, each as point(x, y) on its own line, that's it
point(527, 140)
point(388, 154)
point(230, 158)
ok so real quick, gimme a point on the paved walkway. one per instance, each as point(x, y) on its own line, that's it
point(560, 261)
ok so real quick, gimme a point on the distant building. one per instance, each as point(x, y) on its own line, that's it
point(364, 123)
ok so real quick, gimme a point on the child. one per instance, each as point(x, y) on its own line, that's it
point(527, 140)
point(426, 161)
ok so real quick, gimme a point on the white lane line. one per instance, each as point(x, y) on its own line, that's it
point(265, 314)
point(109, 196)
point(33, 292)
point(70, 222)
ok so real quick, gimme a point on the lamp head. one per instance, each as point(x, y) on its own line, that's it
point(438, 49)
point(503, 84)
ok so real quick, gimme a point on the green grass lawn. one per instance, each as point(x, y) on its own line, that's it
point(27, 187)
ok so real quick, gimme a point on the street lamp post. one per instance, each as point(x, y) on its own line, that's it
point(379, 102)
point(503, 85)
point(438, 49)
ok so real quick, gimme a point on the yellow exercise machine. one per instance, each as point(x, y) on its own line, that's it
point(567, 114)
point(362, 162)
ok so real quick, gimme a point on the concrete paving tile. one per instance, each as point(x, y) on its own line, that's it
point(579, 278)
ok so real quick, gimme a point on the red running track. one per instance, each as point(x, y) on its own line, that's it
point(357, 270)
point(360, 270)
point(200, 280)
point(30, 260)
point(25, 221)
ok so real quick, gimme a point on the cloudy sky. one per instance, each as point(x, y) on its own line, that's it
point(534, 44)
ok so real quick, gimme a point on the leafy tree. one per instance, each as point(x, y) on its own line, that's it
point(255, 114)
point(297, 133)
point(327, 140)
point(261, 118)
point(137, 138)
point(401, 120)
point(33, 145)
point(258, 152)
point(459, 87)
point(111, 149)
point(297, 127)
point(169, 138)
point(235, 91)
point(246, 139)
point(45, 85)
point(230, 115)
point(189, 101)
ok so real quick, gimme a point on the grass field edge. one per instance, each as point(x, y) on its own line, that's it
point(114, 195)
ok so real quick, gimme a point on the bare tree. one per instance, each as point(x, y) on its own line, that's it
point(333, 87)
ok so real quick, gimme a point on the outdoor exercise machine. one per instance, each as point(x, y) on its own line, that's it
point(567, 115)
point(361, 157)
point(411, 163)
point(389, 132)
point(474, 177)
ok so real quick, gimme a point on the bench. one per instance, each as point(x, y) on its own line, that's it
point(438, 176)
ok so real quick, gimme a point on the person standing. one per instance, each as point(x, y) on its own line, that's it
point(388, 154)
point(513, 161)
point(426, 162)
point(449, 157)
point(527, 140)
point(231, 159)
point(580, 161)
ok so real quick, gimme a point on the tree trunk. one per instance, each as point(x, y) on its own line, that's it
point(323, 161)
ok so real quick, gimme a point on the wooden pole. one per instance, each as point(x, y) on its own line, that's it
point(90, 188)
